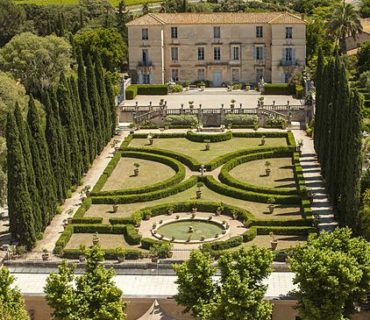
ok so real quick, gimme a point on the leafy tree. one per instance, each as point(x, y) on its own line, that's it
point(11, 301)
point(363, 58)
point(19, 201)
point(308, 6)
point(107, 42)
point(343, 22)
point(11, 18)
point(333, 275)
point(10, 93)
point(93, 297)
point(36, 61)
point(123, 16)
point(194, 279)
point(365, 8)
point(95, 8)
point(3, 176)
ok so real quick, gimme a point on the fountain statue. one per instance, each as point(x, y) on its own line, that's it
point(191, 229)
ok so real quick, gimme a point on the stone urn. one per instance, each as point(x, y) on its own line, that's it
point(274, 244)
point(115, 208)
point(45, 255)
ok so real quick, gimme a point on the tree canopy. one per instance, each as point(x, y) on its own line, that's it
point(11, 18)
point(333, 275)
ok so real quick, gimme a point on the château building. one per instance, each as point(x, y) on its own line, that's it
point(218, 47)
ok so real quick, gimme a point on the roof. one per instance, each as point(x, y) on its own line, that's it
point(151, 19)
point(279, 285)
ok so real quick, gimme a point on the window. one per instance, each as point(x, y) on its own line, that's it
point(175, 75)
point(200, 53)
point(217, 53)
point(259, 32)
point(145, 57)
point(259, 74)
point(174, 32)
point(144, 34)
point(288, 33)
point(235, 53)
point(216, 32)
point(259, 53)
point(174, 54)
point(235, 75)
point(201, 74)
point(146, 78)
point(288, 55)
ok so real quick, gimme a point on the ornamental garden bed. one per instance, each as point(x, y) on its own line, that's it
point(239, 189)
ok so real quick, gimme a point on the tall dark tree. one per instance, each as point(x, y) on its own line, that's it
point(24, 134)
point(42, 165)
point(95, 104)
point(85, 106)
point(319, 85)
point(19, 200)
point(112, 104)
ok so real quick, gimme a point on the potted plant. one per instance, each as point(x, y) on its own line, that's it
point(194, 209)
point(247, 88)
point(191, 105)
point(202, 86)
point(154, 226)
point(199, 191)
point(162, 250)
point(217, 235)
point(234, 215)
point(210, 218)
point(232, 104)
point(219, 209)
point(267, 168)
point(274, 242)
point(160, 221)
point(173, 238)
point(95, 239)
point(161, 102)
point(70, 218)
point(263, 140)
point(120, 255)
point(177, 217)
point(207, 146)
point(271, 206)
point(87, 190)
point(115, 206)
point(45, 255)
point(150, 139)
point(147, 215)
point(170, 210)
point(136, 170)
point(202, 238)
point(192, 215)
point(82, 257)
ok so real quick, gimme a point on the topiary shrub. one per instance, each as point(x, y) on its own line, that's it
point(273, 122)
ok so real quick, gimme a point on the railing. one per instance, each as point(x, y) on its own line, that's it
point(287, 63)
point(147, 63)
point(283, 107)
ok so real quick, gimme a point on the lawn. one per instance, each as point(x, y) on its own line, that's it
point(253, 172)
point(197, 151)
point(107, 241)
point(284, 242)
point(260, 210)
point(150, 172)
point(72, 2)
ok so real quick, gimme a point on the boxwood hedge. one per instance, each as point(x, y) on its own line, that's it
point(199, 137)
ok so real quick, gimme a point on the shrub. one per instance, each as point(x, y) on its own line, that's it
point(250, 234)
point(196, 137)
point(303, 231)
point(241, 121)
point(152, 89)
point(131, 92)
point(131, 235)
point(278, 88)
point(299, 91)
point(109, 254)
point(147, 243)
point(173, 88)
point(63, 239)
point(182, 121)
point(161, 250)
point(223, 245)
point(275, 122)
point(198, 83)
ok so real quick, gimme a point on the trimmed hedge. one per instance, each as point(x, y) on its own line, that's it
point(226, 178)
point(159, 135)
point(147, 243)
point(216, 186)
point(201, 137)
point(241, 121)
point(184, 121)
point(79, 215)
point(131, 235)
point(250, 234)
point(149, 196)
point(174, 164)
point(146, 89)
point(223, 245)
point(278, 88)
point(63, 239)
point(288, 231)
point(109, 254)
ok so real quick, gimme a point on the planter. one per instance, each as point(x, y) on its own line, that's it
point(263, 142)
point(202, 88)
point(208, 147)
point(274, 244)
point(82, 258)
point(121, 259)
point(151, 141)
point(69, 220)
point(136, 172)
point(271, 208)
point(194, 210)
point(45, 256)
point(115, 208)
point(198, 194)
point(170, 212)
point(155, 259)
point(95, 241)
point(268, 171)
point(218, 212)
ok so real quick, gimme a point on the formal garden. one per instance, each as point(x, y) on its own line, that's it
point(177, 191)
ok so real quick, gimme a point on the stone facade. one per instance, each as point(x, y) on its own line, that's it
point(218, 47)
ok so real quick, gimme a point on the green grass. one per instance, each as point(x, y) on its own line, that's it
point(196, 150)
point(150, 172)
point(106, 241)
point(253, 172)
point(260, 210)
point(73, 2)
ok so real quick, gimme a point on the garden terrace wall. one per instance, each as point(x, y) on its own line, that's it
point(174, 164)
point(227, 179)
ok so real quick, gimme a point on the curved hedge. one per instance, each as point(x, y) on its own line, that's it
point(200, 137)
point(218, 187)
point(226, 178)
point(174, 164)
point(149, 196)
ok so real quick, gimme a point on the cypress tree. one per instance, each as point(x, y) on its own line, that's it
point(68, 122)
point(85, 106)
point(104, 102)
point(95, 104)
point(81, 132)
point(56, 156)
point(19, 201)
point(112, 105)
point(318, 111)
point(24, 134)
point(42, 165)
